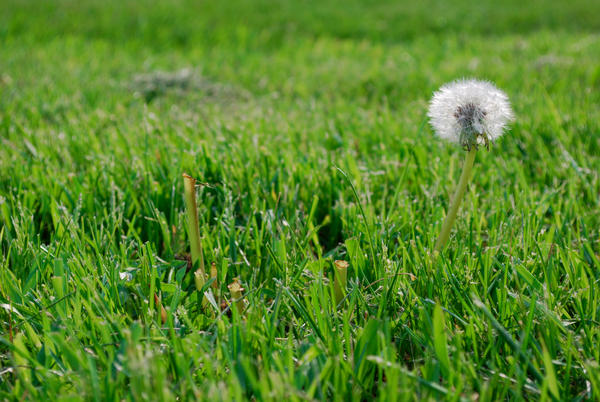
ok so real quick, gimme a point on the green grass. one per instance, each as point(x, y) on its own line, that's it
point(307, 122)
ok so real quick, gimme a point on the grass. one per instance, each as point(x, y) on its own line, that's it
point(306, 124)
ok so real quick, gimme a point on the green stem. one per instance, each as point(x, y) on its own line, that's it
point(455, 203)
point(340, 280)
point(235, 288)
point(189, 188)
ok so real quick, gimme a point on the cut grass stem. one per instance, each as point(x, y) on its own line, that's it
point(236, 289)
point(189, 186)
point(340, 279)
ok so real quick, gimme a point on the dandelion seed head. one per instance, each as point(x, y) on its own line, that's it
point(470, 112)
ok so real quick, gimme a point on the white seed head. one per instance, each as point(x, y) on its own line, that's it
point(470, 112)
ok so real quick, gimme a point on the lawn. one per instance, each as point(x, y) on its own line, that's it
point(305, 124)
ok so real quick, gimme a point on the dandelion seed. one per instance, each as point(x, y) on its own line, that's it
point(470, 113)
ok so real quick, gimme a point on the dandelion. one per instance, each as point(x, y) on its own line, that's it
point(470, 113)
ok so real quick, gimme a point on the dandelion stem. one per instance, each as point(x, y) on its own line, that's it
point(340, 279)
point(235, 288)
point(189, 188)
point(455, 203)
